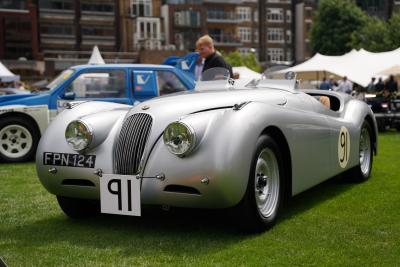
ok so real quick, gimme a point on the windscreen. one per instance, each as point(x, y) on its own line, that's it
point(215, 74)
point(60, 79)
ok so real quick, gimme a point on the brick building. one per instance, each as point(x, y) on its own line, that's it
point(18, 30)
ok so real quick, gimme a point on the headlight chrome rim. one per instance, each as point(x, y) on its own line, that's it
point(89, 136)
point(192, 138)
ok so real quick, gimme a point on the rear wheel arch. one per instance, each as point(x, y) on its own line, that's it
point(277, 135)
point(23, 116)
point(369, 119)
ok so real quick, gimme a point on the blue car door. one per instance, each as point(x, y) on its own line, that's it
point(145, 85)
point(97, 85)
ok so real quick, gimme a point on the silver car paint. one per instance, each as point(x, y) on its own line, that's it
point(226, 143)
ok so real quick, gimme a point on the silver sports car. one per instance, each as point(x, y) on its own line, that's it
point(247, 145)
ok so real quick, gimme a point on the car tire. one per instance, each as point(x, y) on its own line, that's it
point(263, 200)
point(362, 171)
point(78, 208)
point(18, 139)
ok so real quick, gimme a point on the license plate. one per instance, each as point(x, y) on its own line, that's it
point(120, 194)
point(69, 160)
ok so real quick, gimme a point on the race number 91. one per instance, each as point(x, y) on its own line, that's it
point(343, 147)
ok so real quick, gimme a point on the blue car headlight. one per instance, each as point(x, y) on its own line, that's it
point(179, 138)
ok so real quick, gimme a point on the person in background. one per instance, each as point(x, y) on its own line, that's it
point(324, 85)
point(198, 69)
point(379, 86)
point(345, 86)
point(371, 86)
point(391, 85)
point(205, 47)
point(332, 83)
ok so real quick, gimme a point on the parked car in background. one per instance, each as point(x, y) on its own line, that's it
point(386, 110)
point(24, 117)
point(246, 145)
point(13, 91)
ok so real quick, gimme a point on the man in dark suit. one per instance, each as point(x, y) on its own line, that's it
point(205, 47)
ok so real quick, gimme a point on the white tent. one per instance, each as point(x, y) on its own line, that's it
point(358, 65)
point(96, 58)
point(394, 70)
point(246, 73)
point(6, 75)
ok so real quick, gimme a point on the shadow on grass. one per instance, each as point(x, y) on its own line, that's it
point(179, 231)
point(315, 196)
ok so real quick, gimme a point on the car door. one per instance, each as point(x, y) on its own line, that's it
point(96, 85)
point(144, 85)
point(310, 138)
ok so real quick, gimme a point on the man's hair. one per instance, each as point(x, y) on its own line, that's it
point(205, 40)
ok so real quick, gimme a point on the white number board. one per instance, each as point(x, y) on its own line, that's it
point(343, 147)
point(120, 194)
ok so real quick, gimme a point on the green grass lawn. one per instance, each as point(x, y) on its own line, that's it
point(333, 224)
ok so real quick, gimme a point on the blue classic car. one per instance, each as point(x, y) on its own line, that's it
point(23, 118)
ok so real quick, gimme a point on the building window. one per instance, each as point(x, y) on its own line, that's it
point(275, 14)
point(256, 36)
point(148, 30)
point(289, 55)
point(13, 4)
point(99, 31)
point(56, 4)
point(288, 16)
point(244, 13)
point(288, 36)
point(245, 34)
point(280, 1)
point(255, 16)
point(275, 35)
point(141, 8)
point(57, 29)
point(95, 7)
point(244, 50)
point(187, 18)
point(275, 54)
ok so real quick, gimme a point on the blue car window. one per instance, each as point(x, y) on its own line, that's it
point(99, 84)
point(169, 83)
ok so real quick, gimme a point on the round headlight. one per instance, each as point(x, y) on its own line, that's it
point(78, 135)
point(179, 138)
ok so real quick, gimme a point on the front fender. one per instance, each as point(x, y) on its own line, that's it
point(53, 140)
point(223, 156)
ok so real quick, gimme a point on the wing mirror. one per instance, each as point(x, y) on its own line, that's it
point(68, 96)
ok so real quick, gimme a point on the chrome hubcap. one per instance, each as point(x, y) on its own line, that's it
point(266, 182)
point(15, 141)
point(365, 152)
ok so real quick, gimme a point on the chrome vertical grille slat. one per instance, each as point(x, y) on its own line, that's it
point(131, 143)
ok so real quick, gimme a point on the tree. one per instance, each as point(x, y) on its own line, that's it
point(235, 59)
point(394, 31)
point(374, 36)
point(334, 24)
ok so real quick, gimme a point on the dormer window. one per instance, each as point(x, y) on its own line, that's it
point(141, 8)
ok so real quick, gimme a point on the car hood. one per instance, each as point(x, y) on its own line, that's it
point(190, 102)
point(25, 99)
point(167, 109)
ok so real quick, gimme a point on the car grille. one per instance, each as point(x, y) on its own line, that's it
point(131, 143)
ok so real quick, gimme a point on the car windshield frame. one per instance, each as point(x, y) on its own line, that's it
point(63, 76)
